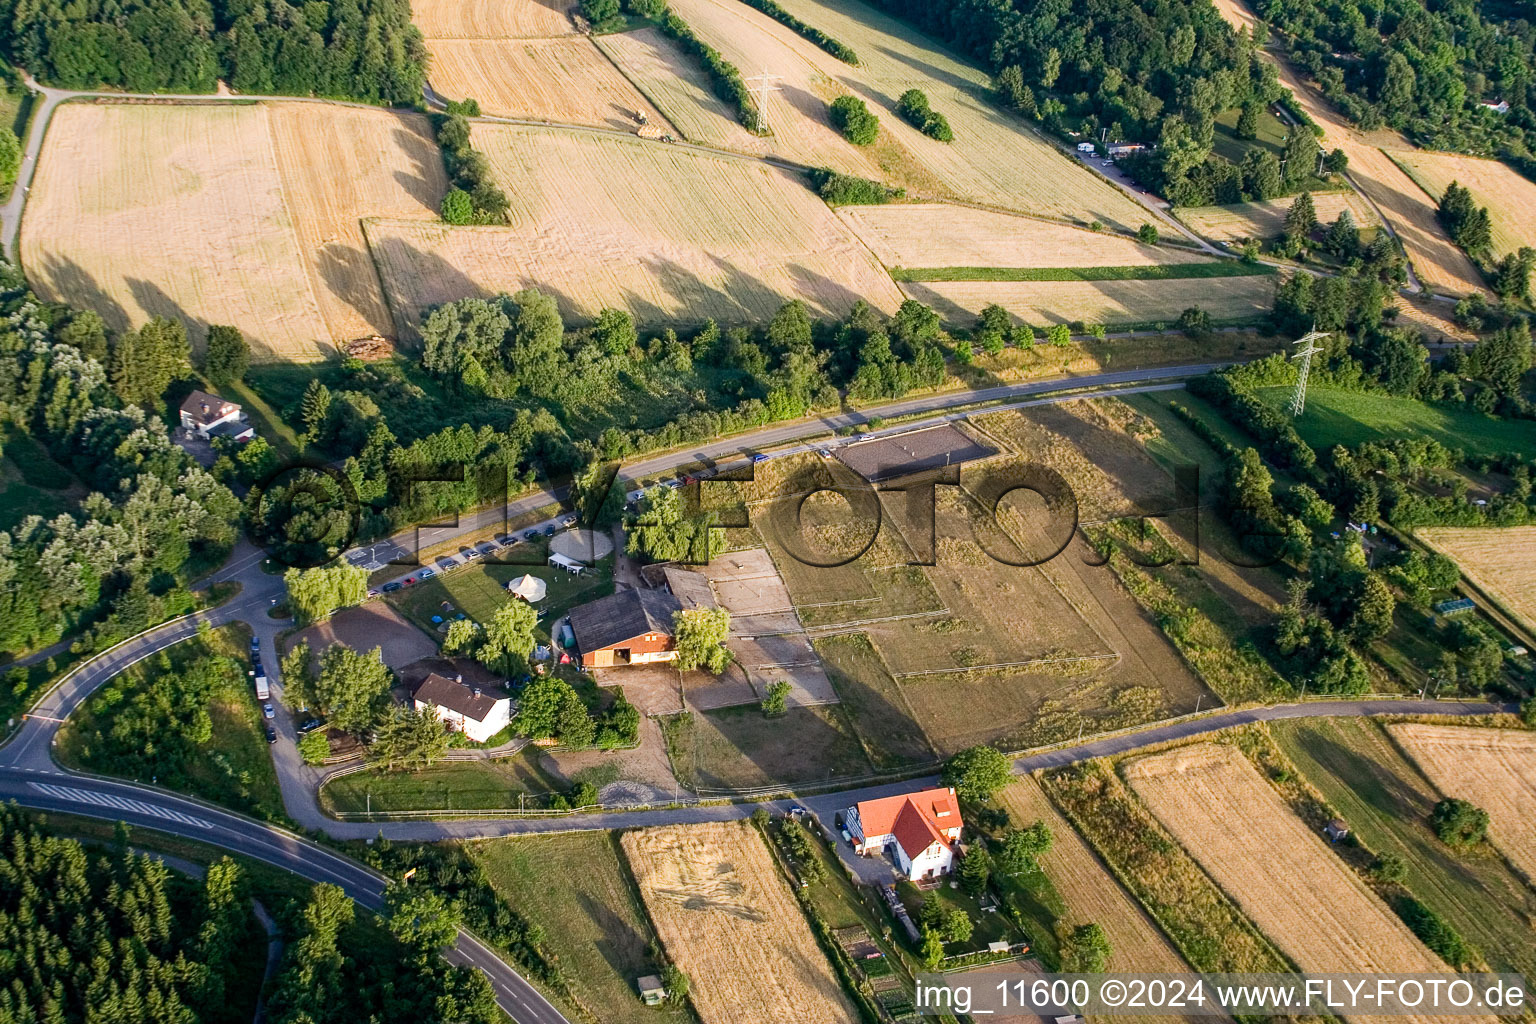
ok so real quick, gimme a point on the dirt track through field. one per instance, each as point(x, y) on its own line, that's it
point(726, 918)
point(1494, 769)
point(1286, 879)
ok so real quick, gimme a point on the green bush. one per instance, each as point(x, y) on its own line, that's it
point(914, 109)
point(1435, 932)
point(1459, 823)
point(1147, 234)
point(847, 190)
point(852, 117)
point(457, 207)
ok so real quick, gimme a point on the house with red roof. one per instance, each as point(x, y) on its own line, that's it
point(920, 830)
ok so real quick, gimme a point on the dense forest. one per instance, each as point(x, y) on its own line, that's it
point(152, 517)
point(365, 50)
point(91, 935)
point(1427, 69)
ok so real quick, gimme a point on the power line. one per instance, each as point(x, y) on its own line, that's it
point(1309, 347)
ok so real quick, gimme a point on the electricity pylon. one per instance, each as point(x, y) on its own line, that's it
point(1309, 348)
point(760, 86)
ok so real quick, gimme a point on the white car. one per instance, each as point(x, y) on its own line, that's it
point(268, 711)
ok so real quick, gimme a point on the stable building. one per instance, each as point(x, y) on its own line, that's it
point(210, 416)
point(920, 830)
point(631, 627)
point(478, 712)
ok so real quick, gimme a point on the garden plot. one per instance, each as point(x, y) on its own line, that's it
point(726, 918)
point(672, 235)
point(1102, 302)
point(941, 235)
point(1301, 895)
point(1493, 768)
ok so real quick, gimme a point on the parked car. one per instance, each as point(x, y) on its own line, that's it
point(759, 457)
point(485, 548)
point(390, 588)
point(447, 562)
point(268, 711)
point(825, 453)
point(569, 520)
point(531, 535)
point(311, 724)
point(255, 644)
point(271, 735)
point(468, 553)
point(426, 574)
point(549, 531)
point(372, 592)
point(505, 540)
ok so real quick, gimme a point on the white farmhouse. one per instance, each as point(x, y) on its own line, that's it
point(211, 416)
point(920, 829)
point(477, 712)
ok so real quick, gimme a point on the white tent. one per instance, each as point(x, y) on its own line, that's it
point(530, 588)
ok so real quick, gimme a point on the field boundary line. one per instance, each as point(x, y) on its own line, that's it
point(1006, 664)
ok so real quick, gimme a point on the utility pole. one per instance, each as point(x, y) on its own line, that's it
point(1308, 343)
point(760, 87)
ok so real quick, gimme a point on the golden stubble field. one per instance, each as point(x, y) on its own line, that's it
point(247, 214)
point(142, 210)
point(994, 159)
point(1499, 559)
point(1301, 895)
point(1265, 220)
point(1509, 195)
point(491, 19)
point(564, 80)
point(1104, 302)
point(1493, 768)
point(940, 235)
point(670, 234)
point(1092, 894)
point(727, 919)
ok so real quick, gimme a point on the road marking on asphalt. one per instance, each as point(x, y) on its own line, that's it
point(86, 796)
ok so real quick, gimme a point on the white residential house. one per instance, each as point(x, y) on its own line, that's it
point(921, 830)
point(478, 712)
point(211, 416)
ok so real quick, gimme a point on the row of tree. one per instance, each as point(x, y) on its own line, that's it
point(364, 50)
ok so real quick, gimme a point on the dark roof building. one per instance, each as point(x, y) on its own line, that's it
point(461, 698)
point(629, 627)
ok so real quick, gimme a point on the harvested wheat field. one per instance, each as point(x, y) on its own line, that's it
point(1493, 768)
point(1265, 220)
point(1509, 195)
point(941, 235)
point(491, 19)
point(726, 918)
point(1091, 893)
point(677, 84)
point(669, 234)
point(1104, 302)
point(366, 163)
point(1499, 559)
point(1301, 895)
point(564, 80)
point(142, 210)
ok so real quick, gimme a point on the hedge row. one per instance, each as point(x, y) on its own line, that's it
point(841, 51)
point(475, 197)
point(729, 85)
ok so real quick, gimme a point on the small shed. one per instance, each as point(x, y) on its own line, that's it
point(652, 992)
point(1335, 830)
point(530, 588)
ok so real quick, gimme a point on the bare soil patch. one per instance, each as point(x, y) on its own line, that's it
point(375, 624)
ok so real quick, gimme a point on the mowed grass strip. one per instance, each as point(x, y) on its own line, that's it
point(1354, 417)
point(577, 887)
point(1146, 272)
point(741, 748)
point(1387, 802)
point(447, 786)
point(880, 711)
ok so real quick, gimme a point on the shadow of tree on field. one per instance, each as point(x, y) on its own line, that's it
point(65, 280)
point(424, 180)
point(341, 267)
